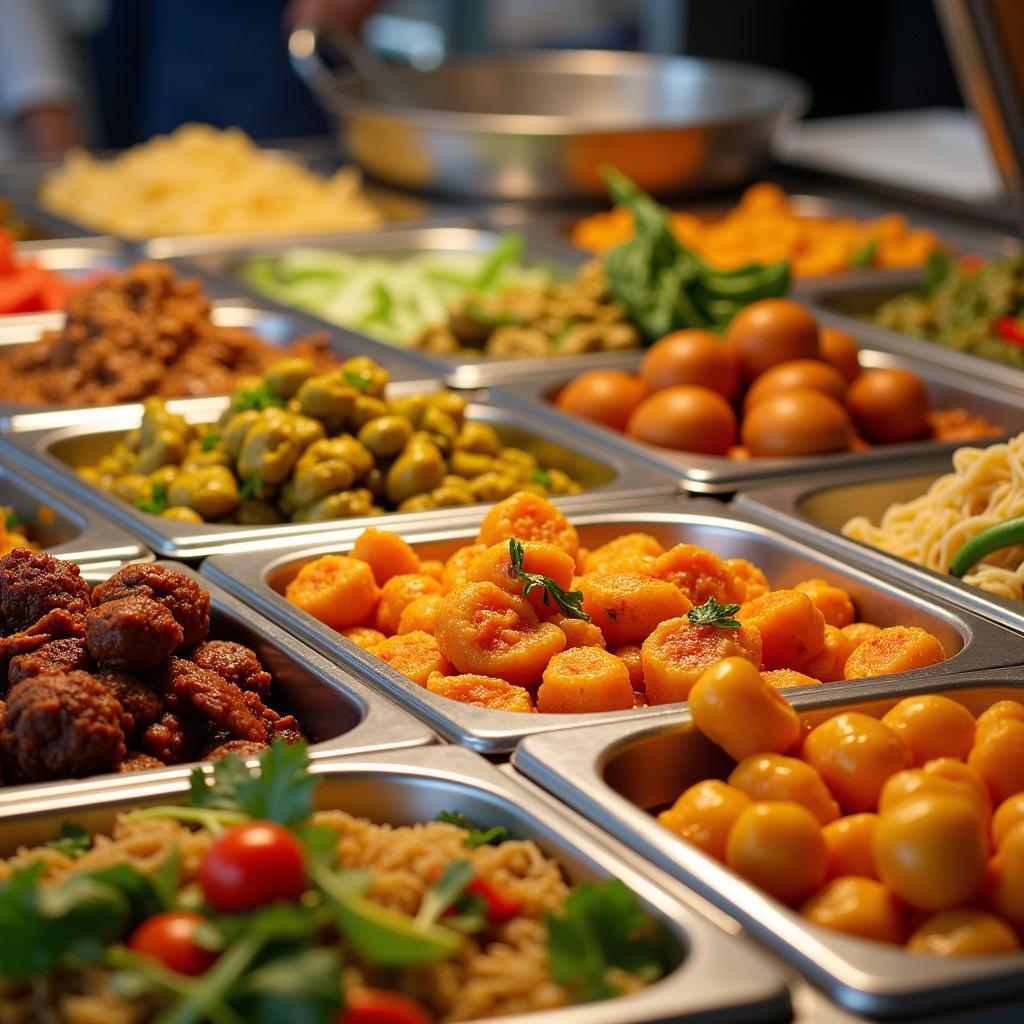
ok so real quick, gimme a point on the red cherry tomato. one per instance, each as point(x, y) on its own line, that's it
point(169, 938)
point(500, 906)
point(252, 864)
point(377, 1006)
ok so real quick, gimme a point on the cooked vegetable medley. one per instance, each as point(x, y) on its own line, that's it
point(301, 446)
point(904, 829)
point(247, 904)
point(525, 619)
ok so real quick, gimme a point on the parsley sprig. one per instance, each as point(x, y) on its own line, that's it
point(258, 398)
point(711, 613)
point(570, 602)
point(11, 519)
point(72, 841)
point(360, 380)
point(157, 502)
point(250, 489)
point(475, 835)
point(210, 441)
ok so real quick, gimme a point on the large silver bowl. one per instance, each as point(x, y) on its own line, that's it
point(539, 125)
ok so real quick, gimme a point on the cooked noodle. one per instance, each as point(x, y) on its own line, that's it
point(986, 487)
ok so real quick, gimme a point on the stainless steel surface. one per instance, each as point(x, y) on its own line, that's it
point(817, 509)
point(539, 125)
point(259, 578)
point(846, 301)
point(618, 775)
point(338, 713)
point(716, 474)
point(53, 444)
point(273, 324)
point(718, 979)
point(62, 526)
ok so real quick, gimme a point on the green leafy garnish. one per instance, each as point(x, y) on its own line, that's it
point(483, 316)
point(250, 489)
point(358, 380)
point(570, 602)
point(445, 892)
point(711, 613)
point(476, 836)
point(604, 926)
point(157, 501)
point(11, 519)
point(864, 254)
point(258, 398)
point(210, 441)
point(937, 267)
point(539, 476)
point(72, 840)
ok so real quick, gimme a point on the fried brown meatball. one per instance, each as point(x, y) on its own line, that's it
point(138, 762)
point(221, 701)
point(183, 598)
point(56, 656)
point(171, 739)
point(33, 583)
point(131, 634)
point(243, 748)
point(62, 726)
point(234, 663)
point(141, 705)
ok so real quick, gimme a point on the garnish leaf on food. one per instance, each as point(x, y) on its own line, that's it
point(445, 892)
point(540, 476)
point(157, 502)
point(483, 316)
point(711, 613)
point(359, 381)
point(210, 441)
point(603, 926)
point(477, 837)
point(72, 840)
point(303, 987)
point(250, 488)
point(570, 602)
point(937, 267)
point(11, 519)
point(258, 398)
point(864, 254)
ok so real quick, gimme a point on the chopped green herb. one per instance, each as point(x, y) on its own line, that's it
point(864, 255)
point(937, 267)
point(11, 519)
point(157, 502)
point(72, 840)
point(445, 892)
point(570, 602)
point(210, 441)
point(250, 489)
point(358, 380)
point(711, 613)
point(258, 398)
point(477, 837)
point(539, 476)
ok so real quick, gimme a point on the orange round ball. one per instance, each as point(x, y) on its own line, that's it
point(800, 422)
point(772, 331)
point(839, 349)
point(604, 396)
point(692, 357)
point(796, 374)
point(685, 418)
point(889, 406)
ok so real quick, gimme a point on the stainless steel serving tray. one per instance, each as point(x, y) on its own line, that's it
point(64, 527)
point(716, 474)
point(226, 256)
point(276, 325)
point(817, 509)
point(259, 578)
point(338, 713)
point(720, 978)
point(844, 301)
point(617, 776)
point(54, 443)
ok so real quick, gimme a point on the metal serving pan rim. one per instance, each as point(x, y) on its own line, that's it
point(31, 436)
point(778, 507)
point(695, 987)
point(382, 724)
point(245, 575)
point(572, 768)
point(710, 474)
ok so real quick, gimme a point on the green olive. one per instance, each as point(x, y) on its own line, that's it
point(367, 376)
point(182, 514)
point(132, 440)
point(386, 436)
point(437, 421)
point(423, 438)
point(452, 495)
point(286, 376)
point(418, 503)
point(518, 460)
point(318, 472)
point(196, 456)
point(367, 408)
point(90, 474)
point(329, 398)
point(478, 438)
point(165, 447)
point(493, 486)
point(233, 431)
point(469, 464)
point(156, 418)
point(376, 483)
point(163, 476)
point(132, 487)
point(306, 429)
point(212, 491)
point(270, 450)
point(343, 505)
point(419, 468)
point(451, 403)
point(411, 407)
point(111, 465)
point(257, 513)
point(354, 452)
point(561, 483)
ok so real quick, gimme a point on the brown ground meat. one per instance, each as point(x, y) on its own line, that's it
point(138, 333)
point(141, 705)
point(61, 726)
point(131, 634)
point(181, 596)
point(233, 662)
point(171, 739)
point(137, 762)
point(33, 583)
point(216, 699)
point(70, 655)
point(243, 748)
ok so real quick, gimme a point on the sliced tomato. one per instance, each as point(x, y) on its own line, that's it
point(500, 906)
point(22, 291)
point(1010, 329)
point(378, 1006)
